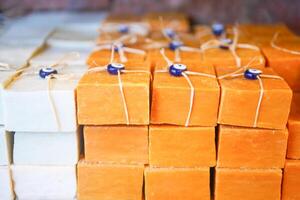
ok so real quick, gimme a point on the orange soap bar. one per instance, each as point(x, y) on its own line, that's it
point(177, 183)
point(291, 180)
point(285, 64)
point(171, 97)
point(240, 147)
point(174, 146)
point(223, 57)
point(100, 102)
point(109, 182)
point(263, 30)
point(116, 144)
point(246, 184)
point(293, 151)
point(240, 100)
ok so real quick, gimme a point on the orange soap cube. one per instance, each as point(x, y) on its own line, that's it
point(246, 184)
point(240, 100)
point(285, 64)
point(240, 147)
point(116, 144)
point(293, 151)
point(100, 102)
point(262, 30)
point(177, 184)
point(173, 146)
point(291, 180)
point(171, 97)
point(109, 182)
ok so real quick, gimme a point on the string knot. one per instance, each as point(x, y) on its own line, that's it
point(177, 69)
point(225, 43)
point(115, 68)
point(47, 71)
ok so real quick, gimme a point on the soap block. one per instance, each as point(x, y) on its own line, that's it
point(107, 182)
point(171, 97)
point(177, 183)
point(44, 106)
point(174, 146)
point(53, 53)
point(287, 65)
point(291, 180)
point(6, 192)
point(99, 100)
point(248, 184)
point(44, 182)
point(46, 148)
point(223, 57)
point(240, 147)
point(240, 99)
point(6, 146)
point(116, 144)
point(293, 151)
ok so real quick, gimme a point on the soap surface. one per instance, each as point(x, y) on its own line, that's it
point(171, 97)
point(109, 182)
point(174, 146)
point(240, 147)
point(293, 151)
point(46, 148)
point(291, 180)
point(116, 144)
point(44, 182)
point(285, 64)
point(240, 98)
point(177, 183)
point(6, 192)
point(99, 100)
point(6, 146)
point(246, 184)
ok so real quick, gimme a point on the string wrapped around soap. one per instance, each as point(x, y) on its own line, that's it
point(251, 74)
point(114, 68)
point(181, 70)
point(229, 44)
point(275, 46)
point(50, 73)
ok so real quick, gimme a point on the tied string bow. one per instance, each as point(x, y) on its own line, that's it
point(119, 47)
point(135, 28)
point(117, 69)
point(50, 73)
point(251, 74)
point(275, 46)
point(178, 70)
point(231, 45)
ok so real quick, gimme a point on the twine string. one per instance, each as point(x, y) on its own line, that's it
point(275, 46)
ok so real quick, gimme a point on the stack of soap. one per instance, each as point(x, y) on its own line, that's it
point(114, 110)
point(182, 150)
point(47, 137)
point(252, 137)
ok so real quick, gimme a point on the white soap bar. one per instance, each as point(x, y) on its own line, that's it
point(44, 182)
point(53, 53)
point(6, 190)
point(29, 106)
point(6, 142)
point(46, 148)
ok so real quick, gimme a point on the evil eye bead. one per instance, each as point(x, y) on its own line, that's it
point(113, 68)
point(169, 32)
point(123, 28)
point(252, 74)
point(175, 45)
point(46, 71)
point(177, 69)
point(217, 29)
point(225, 43)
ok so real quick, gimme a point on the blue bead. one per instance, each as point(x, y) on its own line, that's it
point(252, 74)
point(123, 28)
point(177, 69)
point(113, 68)
point(116, 48)
point(173, 45)
point(225, 43)
point(218, 29)
point(169, 32)
point(46, 71)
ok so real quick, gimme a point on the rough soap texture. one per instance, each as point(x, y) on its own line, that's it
point(291, 180)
